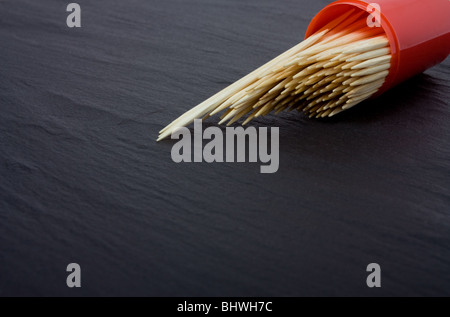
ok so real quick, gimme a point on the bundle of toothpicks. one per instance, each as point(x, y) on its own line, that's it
point(338, 67)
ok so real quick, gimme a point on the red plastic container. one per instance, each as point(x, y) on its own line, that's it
point(418, 32)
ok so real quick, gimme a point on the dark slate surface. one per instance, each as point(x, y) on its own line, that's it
point(83, 180)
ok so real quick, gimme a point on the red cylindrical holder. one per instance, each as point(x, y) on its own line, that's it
point(418, 32)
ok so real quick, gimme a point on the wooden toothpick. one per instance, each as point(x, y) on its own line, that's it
point(338, 67)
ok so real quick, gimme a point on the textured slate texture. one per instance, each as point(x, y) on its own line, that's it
point(83, 180)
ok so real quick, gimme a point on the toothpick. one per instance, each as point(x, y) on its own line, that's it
point(341, 65)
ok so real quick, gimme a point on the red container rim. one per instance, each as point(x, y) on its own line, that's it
point(335, 9)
